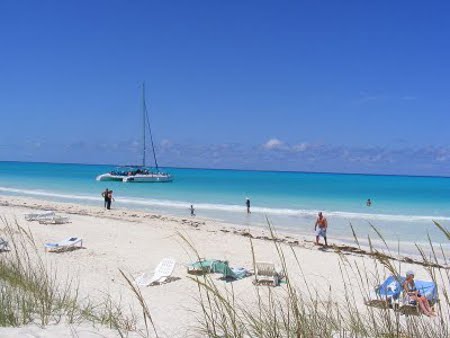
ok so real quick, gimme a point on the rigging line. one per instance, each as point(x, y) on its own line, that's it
point(144, 109)
point(151, 136)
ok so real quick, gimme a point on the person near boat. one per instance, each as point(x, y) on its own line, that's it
point(105, 195)
point(110, 198)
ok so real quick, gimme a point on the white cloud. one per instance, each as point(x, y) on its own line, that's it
point(166, 144)
point(273, 143)
point(301, 147)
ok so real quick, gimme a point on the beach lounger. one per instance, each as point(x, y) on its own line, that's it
point(63, 245)
point(265, 273)
point(162, 272)
point(390, 294)
point(36, 216)
point(55, 219)
point(3, 245)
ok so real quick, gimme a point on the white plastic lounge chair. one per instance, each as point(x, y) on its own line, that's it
point(64, 244)
point(55, 219)
point(160, 275)
point(3, 244)
point(265, 273)
point(36, 216)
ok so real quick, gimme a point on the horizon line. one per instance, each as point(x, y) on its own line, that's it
point(234, 169)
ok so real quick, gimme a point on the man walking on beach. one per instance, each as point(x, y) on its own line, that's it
point(247, 203)
point(105, 195)
point(322, 231)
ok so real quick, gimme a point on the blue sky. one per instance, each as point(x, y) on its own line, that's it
point(304, 85)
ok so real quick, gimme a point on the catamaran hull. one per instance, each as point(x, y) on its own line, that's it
point(136, 178)
point(109, 177)
point(148, 179)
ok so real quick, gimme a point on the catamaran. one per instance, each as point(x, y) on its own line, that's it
point(140, 173)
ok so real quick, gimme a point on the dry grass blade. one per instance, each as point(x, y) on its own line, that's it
point(145, 309)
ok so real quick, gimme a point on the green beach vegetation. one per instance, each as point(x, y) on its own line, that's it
point(32, 293)
point(306, 312)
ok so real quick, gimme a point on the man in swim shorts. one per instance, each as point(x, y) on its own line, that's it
point(322, 231)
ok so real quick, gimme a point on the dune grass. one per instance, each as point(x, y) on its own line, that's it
point(290, 311)
point(30, 291)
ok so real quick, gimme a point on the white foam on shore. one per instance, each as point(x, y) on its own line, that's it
point(230, 208)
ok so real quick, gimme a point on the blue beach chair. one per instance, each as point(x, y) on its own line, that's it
point(390, 295)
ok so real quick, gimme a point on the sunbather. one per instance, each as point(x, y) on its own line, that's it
point(413, 294)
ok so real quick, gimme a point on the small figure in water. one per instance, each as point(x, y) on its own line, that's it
point(369, 202)
point(192, 210)
point(247, 203)
point(323, 226)
point(110, 198)
point(105, 196)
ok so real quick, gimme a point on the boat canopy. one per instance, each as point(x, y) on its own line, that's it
point(127, 171)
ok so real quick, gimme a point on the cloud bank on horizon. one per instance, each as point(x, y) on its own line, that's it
point(274, 154)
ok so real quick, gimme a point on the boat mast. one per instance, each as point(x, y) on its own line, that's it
point(146, 120)
point(144, 109)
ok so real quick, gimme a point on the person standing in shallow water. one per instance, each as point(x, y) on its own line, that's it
point(247, 203)
point(192, 210)
point(105, 195)
point(369, 202)
point(110, 198)
point(322, 222)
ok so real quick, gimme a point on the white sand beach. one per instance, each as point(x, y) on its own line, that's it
point(135, 242)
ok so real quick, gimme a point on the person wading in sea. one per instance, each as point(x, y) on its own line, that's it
point(323, 226)
point(247, 203)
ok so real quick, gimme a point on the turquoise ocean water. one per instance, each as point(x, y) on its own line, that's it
point(403, 207)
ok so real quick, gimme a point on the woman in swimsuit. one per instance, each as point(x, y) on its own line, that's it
point(410, 289)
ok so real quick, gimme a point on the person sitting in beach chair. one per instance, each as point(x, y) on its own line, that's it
point(392, 294)
point(414, 296)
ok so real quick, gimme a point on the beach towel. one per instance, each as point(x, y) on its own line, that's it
point(218, 266)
